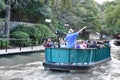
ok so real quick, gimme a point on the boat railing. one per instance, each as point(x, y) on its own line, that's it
point(76, 56)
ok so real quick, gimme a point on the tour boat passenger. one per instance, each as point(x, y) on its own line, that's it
point(106, 43)
point(48, 43)
point(71, 37)
point(93, 44)
point(85, 44)
point(62, 43)
point(79, 45)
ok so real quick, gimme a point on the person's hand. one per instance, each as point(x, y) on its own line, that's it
point(80, 31)
point(85, 27)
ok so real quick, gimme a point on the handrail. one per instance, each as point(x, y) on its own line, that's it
point(76, 56)
point(6, 42)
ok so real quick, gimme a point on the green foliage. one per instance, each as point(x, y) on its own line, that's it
point(30, 11)
point(66, 4)
point(39, 11)
point(59, 25)
point(2, 5)
point(89, 13)
point(22, 38)
point(3, 44)
point(35, 32)
point(43, 30)
point(31, 30)
point(112, 18)
point(63, 3)
point(76, 13)
point(82, 13)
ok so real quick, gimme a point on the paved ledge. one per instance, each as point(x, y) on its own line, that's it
point(22, 50)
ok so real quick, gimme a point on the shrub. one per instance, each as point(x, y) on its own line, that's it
point(43, 31)
point(36, 33)
point(3, 44)
point(22, 38)
point(31, 30)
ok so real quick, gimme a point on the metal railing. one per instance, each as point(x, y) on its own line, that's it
point(84, 56)
point(17, 43)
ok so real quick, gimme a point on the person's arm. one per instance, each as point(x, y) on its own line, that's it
point(80, 31)
point(44, 43)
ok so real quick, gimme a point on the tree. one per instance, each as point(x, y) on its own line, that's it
point(112, 17)
point(2, 5)
point(80, 13)
point(7, 23)
point(77, 13)
point(33, 11)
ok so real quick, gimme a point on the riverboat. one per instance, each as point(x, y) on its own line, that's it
point(75, 59)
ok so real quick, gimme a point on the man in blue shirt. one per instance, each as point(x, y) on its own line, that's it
point(71, 37)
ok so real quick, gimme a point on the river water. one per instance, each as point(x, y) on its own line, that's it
point(29, 67)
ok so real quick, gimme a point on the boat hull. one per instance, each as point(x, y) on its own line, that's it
point(82, 60)
point(72, 67)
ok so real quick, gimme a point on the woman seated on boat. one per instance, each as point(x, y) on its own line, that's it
point(79, 45)
point(71, 37)
point(48, 43)
point(85, 44)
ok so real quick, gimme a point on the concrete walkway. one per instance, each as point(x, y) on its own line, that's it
point(22, 50)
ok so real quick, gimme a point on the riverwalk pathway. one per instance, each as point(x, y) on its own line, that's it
point(22, 50)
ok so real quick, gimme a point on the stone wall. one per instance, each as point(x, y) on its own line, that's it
point(94, 35)
point(13, 24)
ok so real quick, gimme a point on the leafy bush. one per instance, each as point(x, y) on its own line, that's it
point(31, 30)
point(22, 38)
point(3, 44)
point(43, 30)
point(36, 33)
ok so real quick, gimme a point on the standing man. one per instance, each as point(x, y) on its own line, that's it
point(71, 37)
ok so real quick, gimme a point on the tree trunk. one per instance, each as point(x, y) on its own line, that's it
point(7, 23)
point(46, 2)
